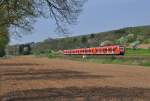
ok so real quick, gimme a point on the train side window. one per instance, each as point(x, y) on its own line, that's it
point(114, 49)
point(89, 50)
point(104, 50)
point(109, 49)
point(100, 50)
point(86, 50)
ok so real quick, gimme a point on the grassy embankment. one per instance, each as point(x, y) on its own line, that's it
point(132, 57)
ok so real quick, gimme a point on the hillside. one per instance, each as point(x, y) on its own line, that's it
point(130, 37)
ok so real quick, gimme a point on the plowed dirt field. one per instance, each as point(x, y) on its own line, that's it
point(40, 79)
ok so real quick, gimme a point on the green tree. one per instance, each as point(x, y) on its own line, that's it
point(120, 31)
point(84, 39)
point(4, 36)
point(75, 40)
point(4, 39)
point(92, 36)
point(21, 13)
point(135, 44)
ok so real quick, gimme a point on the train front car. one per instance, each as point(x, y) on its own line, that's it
point(119, 50)
point(122, 50)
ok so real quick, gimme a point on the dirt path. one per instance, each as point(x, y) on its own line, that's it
point(41, 79)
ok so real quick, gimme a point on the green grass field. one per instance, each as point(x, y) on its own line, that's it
point(140, 62)
point(137, 52)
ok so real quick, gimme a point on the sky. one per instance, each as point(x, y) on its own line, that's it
point(97, 16)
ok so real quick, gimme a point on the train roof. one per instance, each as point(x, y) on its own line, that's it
point(96, 47)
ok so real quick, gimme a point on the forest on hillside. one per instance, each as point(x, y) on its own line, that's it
point(129, 37)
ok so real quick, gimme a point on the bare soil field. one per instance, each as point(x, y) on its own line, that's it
point(40, 79)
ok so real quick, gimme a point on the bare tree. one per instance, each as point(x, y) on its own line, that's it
point(21, 13)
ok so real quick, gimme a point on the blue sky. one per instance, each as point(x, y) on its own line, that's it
point(97, 16)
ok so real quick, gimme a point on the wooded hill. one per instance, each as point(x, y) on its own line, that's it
point(131, 36)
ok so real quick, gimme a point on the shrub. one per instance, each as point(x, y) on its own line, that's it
point(146, 41)
point(122, 41)
point(2, 52)
point(135, 44)
point(92, 36)
point(120, 31)
point(131, 37)
point(52, 54)
point(140, 37)
point(84, 39)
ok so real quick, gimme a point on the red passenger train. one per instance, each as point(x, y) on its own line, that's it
point(103, 50)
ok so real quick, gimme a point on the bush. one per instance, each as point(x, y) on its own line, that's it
point(53, 54)
point(122, 41)
point(2, 52)
point(92, 36)
point(130, 37)
point(140, 37)
point(147, 41)
point(120, 31)
point(135, 44)
point(84, 39)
